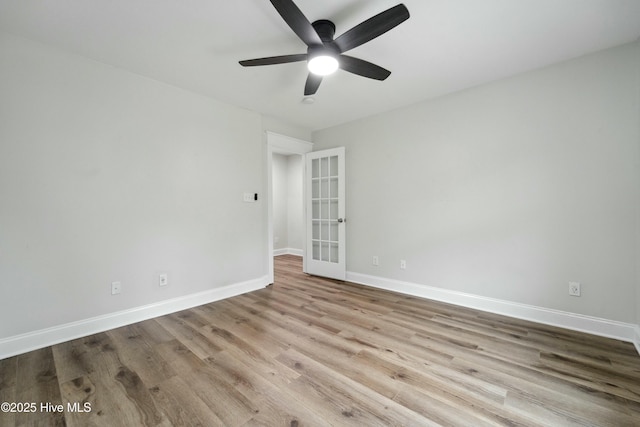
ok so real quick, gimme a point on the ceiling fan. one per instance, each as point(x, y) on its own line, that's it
point(326, 54)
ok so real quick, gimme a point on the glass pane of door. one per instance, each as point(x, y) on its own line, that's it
point(324, 214)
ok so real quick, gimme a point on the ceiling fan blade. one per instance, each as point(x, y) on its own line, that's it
point(297, 21)
point(372, 28)
point(272, 60)
point(312, 84)
point(363, 68)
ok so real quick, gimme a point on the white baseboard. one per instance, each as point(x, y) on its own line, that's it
point(23, 343)
point(287, 251)
point(593, 325)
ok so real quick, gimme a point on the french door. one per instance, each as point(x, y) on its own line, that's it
point(325, 213)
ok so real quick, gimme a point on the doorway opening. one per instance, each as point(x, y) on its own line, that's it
point(286, 195)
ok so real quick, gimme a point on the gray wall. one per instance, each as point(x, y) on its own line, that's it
point(508, 190)
point(106, 175)
point(638, 226)
point(280, 213)
point(295, 203)
point(288, 221)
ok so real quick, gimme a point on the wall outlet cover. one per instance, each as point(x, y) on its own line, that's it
point(574, 289)
point(163, 279)
point(116, 288)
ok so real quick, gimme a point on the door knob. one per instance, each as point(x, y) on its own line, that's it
point(340, 220)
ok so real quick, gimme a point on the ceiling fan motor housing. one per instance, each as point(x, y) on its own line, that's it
point(325, 29)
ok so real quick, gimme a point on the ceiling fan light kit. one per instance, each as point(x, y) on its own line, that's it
point(322, 60)
point(326, 54)
point(323, 65)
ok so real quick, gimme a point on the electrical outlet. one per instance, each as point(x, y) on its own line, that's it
point(163, 279)
point(403, 264)
point(574, 289)
point(376, 260)
point(116, 288)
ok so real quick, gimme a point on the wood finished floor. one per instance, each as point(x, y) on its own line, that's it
point(311, 351)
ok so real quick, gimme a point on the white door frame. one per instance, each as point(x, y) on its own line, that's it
point(281, 144)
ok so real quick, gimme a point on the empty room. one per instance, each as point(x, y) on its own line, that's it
point(299, 213)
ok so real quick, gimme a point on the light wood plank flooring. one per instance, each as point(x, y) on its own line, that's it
point(312, 351)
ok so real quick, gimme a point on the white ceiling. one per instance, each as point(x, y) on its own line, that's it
point(446, 45)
